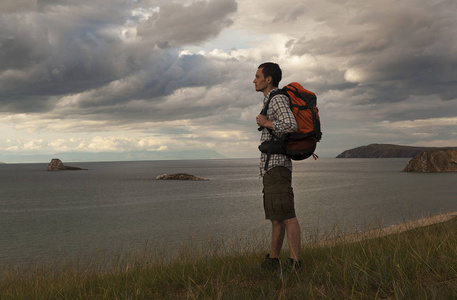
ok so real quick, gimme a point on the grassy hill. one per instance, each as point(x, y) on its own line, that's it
point(419, 263)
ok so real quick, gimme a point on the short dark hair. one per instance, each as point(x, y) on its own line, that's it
point(273, 70)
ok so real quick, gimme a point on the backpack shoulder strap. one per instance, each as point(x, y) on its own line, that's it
point(267, 103)
point(273, 136)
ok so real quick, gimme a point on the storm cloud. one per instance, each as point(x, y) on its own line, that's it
point(176, 24)
point(400, 49)
point(178, 74)
point(60, 50)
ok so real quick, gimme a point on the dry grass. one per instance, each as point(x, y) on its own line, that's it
point(409, 262)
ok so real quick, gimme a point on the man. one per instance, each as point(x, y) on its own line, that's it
point(278, 195)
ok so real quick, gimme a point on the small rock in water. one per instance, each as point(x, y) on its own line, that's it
point(179, 176)
point(57, 165)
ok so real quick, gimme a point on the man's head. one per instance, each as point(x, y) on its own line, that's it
point(267, 77)
point(273, 70)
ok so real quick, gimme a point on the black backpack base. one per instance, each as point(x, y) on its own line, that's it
point(300, 149)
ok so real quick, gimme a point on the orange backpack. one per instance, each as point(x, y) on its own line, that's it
point(303, 103)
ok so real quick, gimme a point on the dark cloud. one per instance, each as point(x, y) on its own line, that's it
point(50, 55)
point(395, 51)
point(191, 88)
point(290, 13)
point(176, 24)
point(383, 70)
point(157, 80)
point(70, 49)
point(15, 6)
point(21, 43)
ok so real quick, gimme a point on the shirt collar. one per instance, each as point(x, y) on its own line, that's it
point(268, 95)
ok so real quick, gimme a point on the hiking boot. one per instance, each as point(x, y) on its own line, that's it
point(293, 265)
point(271, 264)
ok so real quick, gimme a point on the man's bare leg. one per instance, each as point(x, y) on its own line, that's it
point(277, 237)
point(293, 237)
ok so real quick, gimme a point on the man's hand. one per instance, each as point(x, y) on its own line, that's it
point(263, 121)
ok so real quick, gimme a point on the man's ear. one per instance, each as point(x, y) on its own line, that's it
point(269, 79)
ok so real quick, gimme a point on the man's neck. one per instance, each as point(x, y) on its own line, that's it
point(268, 90)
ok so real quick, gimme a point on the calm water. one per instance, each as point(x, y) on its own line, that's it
point(114, 205)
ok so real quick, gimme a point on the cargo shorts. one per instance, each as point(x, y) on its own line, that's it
point(278, 195)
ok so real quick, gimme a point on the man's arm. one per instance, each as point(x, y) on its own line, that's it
point(284, 120)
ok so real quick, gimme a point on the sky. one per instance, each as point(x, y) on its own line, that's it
point(160, 76)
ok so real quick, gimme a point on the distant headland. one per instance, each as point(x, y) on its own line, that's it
point(387, 151)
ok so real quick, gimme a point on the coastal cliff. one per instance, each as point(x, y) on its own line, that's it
point(387, 151)
point(433, 161)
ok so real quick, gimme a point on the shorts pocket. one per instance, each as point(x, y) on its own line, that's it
point(287, 201)
point(279, 203)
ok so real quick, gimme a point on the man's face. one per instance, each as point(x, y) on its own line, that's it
point(260, 81)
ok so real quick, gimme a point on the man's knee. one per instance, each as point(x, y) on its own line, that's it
point(290, 220)
point(278, 223)
point(291, 223)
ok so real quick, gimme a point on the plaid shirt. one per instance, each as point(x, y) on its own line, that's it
point(283, 123)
